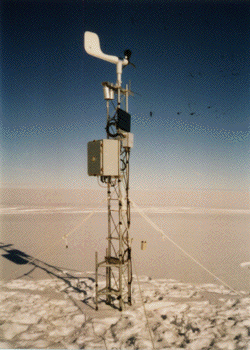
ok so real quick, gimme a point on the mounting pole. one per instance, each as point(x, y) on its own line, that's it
point(117, 261)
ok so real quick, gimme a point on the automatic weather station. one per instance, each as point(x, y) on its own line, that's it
point(108, 159)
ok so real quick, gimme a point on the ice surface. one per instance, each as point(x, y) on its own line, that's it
point(25, 318)
point(10, 330)
point(5, 345)
point(33, 318)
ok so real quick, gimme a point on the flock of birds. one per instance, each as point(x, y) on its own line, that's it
point(230, 66)
point(192, 112)
point(233, 72)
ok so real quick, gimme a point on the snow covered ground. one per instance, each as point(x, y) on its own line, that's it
point(36, 312)
point(167, 314)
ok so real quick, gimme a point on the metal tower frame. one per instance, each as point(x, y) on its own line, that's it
point(117, 261)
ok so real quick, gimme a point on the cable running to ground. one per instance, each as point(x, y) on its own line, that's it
point(141, 212)
point(144, 309)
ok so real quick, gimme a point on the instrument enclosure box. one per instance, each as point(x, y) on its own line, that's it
point(103, 157)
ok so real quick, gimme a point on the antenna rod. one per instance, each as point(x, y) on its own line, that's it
point(126, 97)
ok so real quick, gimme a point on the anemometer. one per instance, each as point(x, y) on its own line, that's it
point(93, 48)
point(108, 159)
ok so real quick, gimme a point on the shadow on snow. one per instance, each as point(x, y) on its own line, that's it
point(77, 284)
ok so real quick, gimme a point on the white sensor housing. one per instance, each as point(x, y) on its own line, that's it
point(128, 139)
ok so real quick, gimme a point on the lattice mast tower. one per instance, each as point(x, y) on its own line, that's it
point(109, 159)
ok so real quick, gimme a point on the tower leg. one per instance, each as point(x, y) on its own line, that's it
point(108, 250)
point(129, 277)
point(96, 280)
point(108, 282)
point(120, 288)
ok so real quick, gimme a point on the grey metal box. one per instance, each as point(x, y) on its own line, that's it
point(103, 157)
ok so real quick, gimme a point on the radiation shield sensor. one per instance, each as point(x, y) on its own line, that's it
point(103, 157)
point(108, 91)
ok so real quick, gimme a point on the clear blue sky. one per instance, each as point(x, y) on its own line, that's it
point(192, 73)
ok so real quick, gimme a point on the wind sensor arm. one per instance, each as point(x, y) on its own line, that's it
point(93, 48)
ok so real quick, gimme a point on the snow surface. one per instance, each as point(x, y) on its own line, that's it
point(59, 313)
